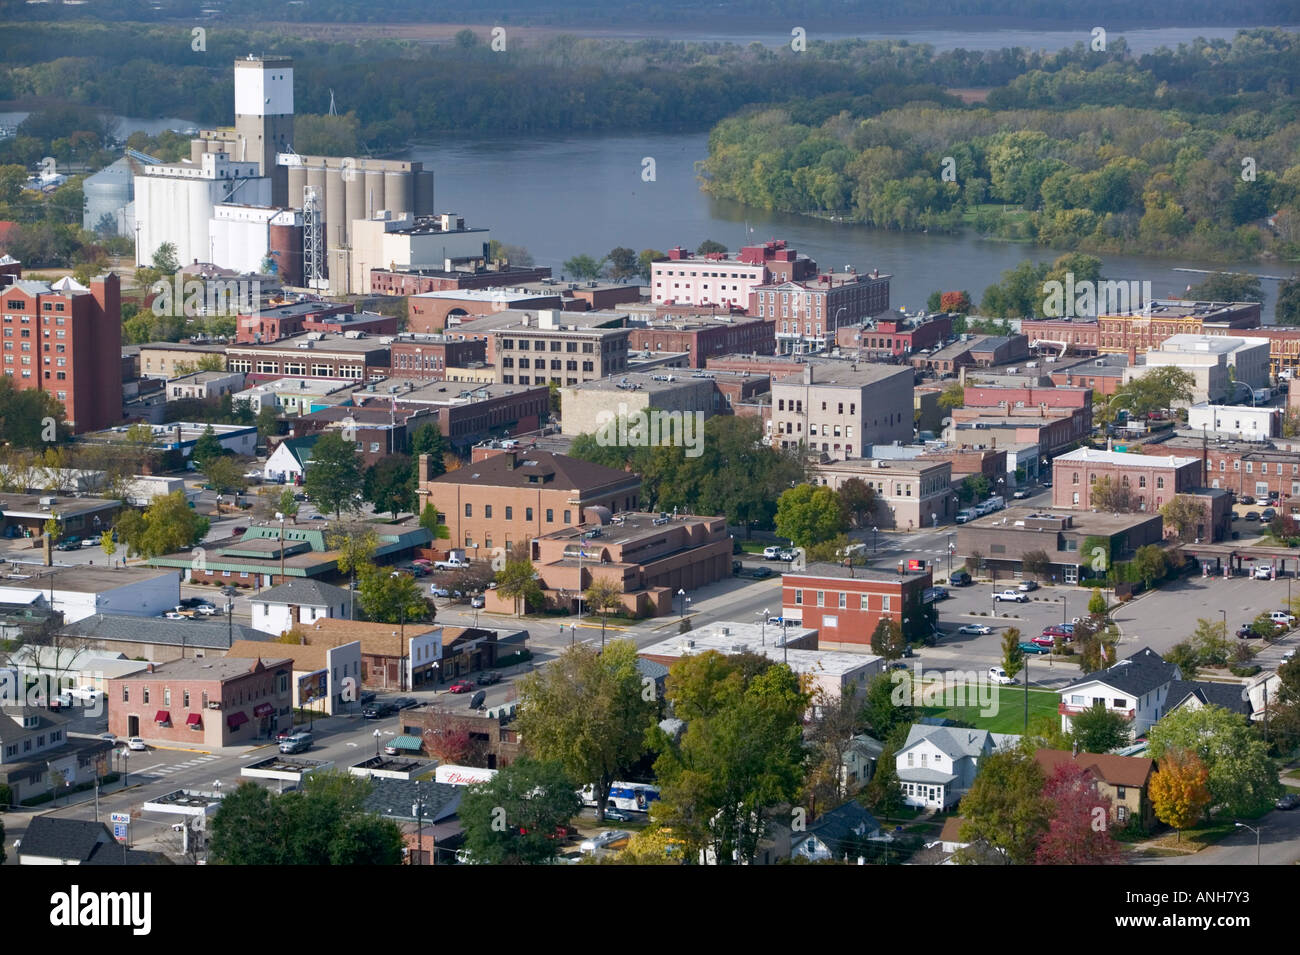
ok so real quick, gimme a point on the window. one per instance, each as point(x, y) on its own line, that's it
point(568, 516)
point(830, 620)
point(821, 598)
point(1120, 792)
point(550, 516)
point(126, 694)
point(528, 513)
point(864, 601)
point(884, 604)
point(1142, 480)
point(185, 697)
point(469, 510)
point(487, 511)
point(167, 697)
point(844, 600)
point(510, 513)
point(911, 759)
point(798, 597)
point(1160, 482)
point(146, 694)
point(1120, 703)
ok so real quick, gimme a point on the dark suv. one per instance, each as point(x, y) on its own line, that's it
point(378, 710)
point(960, 579)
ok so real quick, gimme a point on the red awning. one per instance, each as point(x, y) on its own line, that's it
point(236, 720)
point(194, 719)
point(162, 717)
point(263, 709)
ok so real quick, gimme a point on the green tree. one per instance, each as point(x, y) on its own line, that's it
point(515, 255)
point(1211, 642)
point(1288, 301)
point(645, 258)
point(623, 263)
point(1099, 730)
point(1005, 808)
point(1185, 657)
point(429, 521)
point(1183, 513)
point(286, 505)
point(602, 596)
point(26, 416)
point(268, 422)
point(334, 474)
point(809, 514)
point(428, 440)
point(952, 396)
point(887, 639)
point(106, 544)
point(857, 502)
point(1097, 604)
point(226, 475)
point(1150, 563)
point(883, 792)
point(740, 756)
point(1013, 658)
point(1036, 563)
point(465, 39)
point(1094, 647)
point(888, 706)
point(389, 484)
point(709, 247)
point(589, 712)
point(512, 818)
point(584, 266)
point(356, 545)
point(390, 596)
point(517, 581)
point(164, 259)
point(1283, 707)
point(933, 301)
point(206, 449)
point(1227, 287)
point(1180, 790)
point(1241, 777)
point(1109, 495)
point(168, 525)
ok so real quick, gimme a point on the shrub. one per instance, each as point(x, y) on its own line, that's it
point(1238, 670)
point(6, 796)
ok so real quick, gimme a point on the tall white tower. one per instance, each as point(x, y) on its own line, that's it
point(264, 116)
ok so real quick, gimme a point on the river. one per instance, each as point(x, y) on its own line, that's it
point(561, 196)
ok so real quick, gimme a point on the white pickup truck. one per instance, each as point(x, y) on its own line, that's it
point(1014, 595)
point(451, 563)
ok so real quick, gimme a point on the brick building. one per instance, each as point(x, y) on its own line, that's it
point(701, 335)
point(1242, 467)
point(948, 360)
point(1052, 431)
point(723, 280)
point(1062, 336)
point(514, 495)
point(893, 337)
point(478, 276)
point(1163, 318)
point(415, 355)
point(66, 339)
point(574, 352)
point(813, 309)
point(465, 412)
point(377, 432)
point(208, 702)
point(1103, 374)
point(284, 321)
point(431, 312)
point(1152, 479)
point(1013, 399)
point(909, 493)
point(313, 355)
point(844, 604)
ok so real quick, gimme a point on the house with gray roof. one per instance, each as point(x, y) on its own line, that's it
point(297, 601)
point(1136, 687)
point(937, 764)
point(836, 834)
point(36, 753)
point(1193, 694)
point(52, 840)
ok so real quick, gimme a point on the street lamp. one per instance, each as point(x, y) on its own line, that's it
point(126, 766)
point(377, 734)
point(763, 614)
point(1242, 825)
point(875, 540)
point(952, 549)
point(681, 603)
point(1225, 623)
point(230, 592)
point(417, 810)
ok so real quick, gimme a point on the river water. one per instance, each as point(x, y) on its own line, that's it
point(561, 196)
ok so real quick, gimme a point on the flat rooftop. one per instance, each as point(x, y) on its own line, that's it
point(878, 575)
point(1018, 518)
point(307, 386)
point(213, 668)
point(29, 505)
point(627, 526)
point(309, 342)
point(1120, 459)
point(296, 310)
point(842, 374)
point(1178, 308)
point(81, 578)
point(491, 295)
point(749, 638)
point(513, 319)
point(187, 799)
point(639, 381)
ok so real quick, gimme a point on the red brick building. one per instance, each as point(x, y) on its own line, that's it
point(808, 313)
point(1062, 336)
point(702, 336)
point(66, 340)
point(418, 281)
point(1242, 467)
point(893, 337)
point(428, 356)
point(845, 603)
point(1152, 479)
point(285, 321)
point(206, 701)
point(429, 312)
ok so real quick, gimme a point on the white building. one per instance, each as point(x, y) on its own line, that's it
point(176, 202)
point(293, 396)
point(241, 234)
point(1208, 358)
point(406, 242)
point(204, 384)
point(326, 680)
point(298, 602)
point(1244, 422)
point(84, 591)
point(937, 764)
point(1136, 687)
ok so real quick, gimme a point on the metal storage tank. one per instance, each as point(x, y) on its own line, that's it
point(316, 179)
point(424, 193)
point(374, 192)
point(286, 242)
point(336, 213)
point(354, 192)
point(297, 181)
point(399, 192)
point(107, 193)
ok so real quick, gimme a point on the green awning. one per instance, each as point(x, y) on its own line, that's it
point(412, 743)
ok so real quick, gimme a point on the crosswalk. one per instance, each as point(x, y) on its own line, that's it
point(161, 771)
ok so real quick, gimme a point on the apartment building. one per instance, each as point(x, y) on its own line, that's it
point(66, 339)
point(837, 411)
point(1152, 479)
point(512, 495)
point(313, 355)
point(808, 313)
point(910, 493)
point(844, 604)
point(552, 349)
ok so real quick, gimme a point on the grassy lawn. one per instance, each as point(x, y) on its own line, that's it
point(754, 547)
point(1194, 840)
point(1008, 708)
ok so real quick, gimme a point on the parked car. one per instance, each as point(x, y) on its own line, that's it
point(461, 686)
point(617, 815)
point(1020, 494)
point(1267, 514)
point(1047, 484)
point(1044, 640)
point(1245, 499)
point(368, 696)
point(62, 700)
point(936, 593)
point(477, 602)
point(90, 542)
point(776, 621)
point(72, 543)
point(439, 591)
point(298, 742)
point(1027, 585)
point(1252, 515)
point(176, 615)
point(1245, 633)
point(136, 743)
point(1262, 572)
point(788, 555)
point(1033, 648)
point(976, 628)
point(377, 711)
point(960, 579)
point(1286, 803)
point(207, 610)
point(489, 677)
point(452, 563)
point(608, 839)
point(405, 702)
point(999, 675)
point(86, 694)
point(1063, 630)
point(772, 553)
point(1013, 595)
point(761, 573)
point(1282, 618)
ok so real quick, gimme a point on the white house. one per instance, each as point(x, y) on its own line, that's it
point(937, 765)
point(288, 462)
point(326, 679)
point(1137, 687)
point(277, 610)
point(836, 834)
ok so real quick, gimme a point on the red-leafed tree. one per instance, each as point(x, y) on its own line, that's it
point(958, 302)
point(1078, 833)
point(454, 739)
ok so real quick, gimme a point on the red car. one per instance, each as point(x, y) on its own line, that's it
point(1043, 640)
point(462, 686)
point(1066, 633)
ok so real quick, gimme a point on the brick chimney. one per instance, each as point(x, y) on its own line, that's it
point(422, 474)
point(512, 459)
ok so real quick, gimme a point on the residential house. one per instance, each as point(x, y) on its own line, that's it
point(1136, 687)
point(53, 840)
point(836, 834)
point(937, 765)
point(279, 609)
point(1123, 780)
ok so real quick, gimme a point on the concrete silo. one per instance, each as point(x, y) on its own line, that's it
point(399, 192)
point(297, 180)
point(424, 193)
point(374, 193)
point(336, 210)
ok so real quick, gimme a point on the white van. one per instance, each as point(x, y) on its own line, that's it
point(966, 516)
point(297, 743)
